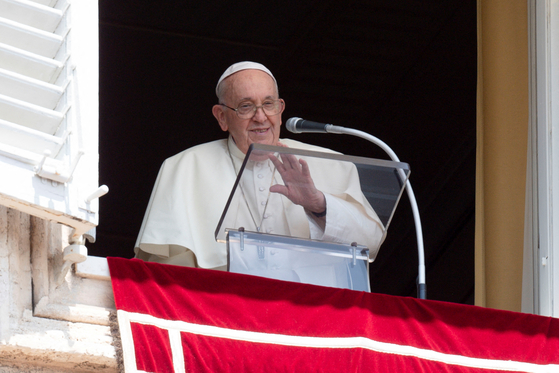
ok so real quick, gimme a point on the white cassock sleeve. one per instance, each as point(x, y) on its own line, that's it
point(348, 222)
point(186, 203)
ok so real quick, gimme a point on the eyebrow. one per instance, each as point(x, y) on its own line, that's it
point(250, 98)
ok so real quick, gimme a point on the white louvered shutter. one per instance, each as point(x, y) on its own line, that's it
point(49, 109)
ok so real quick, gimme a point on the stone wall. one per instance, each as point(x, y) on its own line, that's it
point(30, 259)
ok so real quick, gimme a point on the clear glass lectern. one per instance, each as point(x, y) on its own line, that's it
point(309, 216)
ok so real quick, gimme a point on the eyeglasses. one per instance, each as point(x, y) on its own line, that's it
point(246, 110)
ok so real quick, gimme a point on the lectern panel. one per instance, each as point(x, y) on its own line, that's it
point(298, 260)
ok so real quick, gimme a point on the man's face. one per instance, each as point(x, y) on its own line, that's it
point(252, 86)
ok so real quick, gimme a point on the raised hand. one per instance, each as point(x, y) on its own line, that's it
point(299, 186)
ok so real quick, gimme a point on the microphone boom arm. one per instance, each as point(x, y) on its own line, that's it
point(421, 285)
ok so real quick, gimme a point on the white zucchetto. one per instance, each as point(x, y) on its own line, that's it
point(245, 65)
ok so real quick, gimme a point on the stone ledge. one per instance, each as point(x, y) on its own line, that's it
point(58, 345)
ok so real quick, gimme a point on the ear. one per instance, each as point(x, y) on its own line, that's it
point(282, 108)
point(219, 114)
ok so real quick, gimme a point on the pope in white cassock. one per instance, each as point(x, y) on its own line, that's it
point(193, 187)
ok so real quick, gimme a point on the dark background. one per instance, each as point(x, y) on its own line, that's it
point(403, 71)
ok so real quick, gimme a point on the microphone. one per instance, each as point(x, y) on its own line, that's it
point(298, 125)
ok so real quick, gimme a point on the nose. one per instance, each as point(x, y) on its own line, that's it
point(259, 115)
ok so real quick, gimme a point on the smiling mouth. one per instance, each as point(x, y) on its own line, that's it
point(260, 130)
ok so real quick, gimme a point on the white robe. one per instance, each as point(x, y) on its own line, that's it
point(191, 192)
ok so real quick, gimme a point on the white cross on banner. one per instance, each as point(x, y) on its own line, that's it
point(178, 319)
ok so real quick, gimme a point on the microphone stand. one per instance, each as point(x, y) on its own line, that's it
point(421, 286)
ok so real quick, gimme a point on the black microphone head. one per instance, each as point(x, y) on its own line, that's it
point(291, 124)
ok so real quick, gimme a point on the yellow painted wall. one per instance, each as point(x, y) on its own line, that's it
point(502, 130)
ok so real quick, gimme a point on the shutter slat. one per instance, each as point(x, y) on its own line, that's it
point(29, 115)
point(28, 139)
point(29, 64)
point(30, 90)
point(31, 14)
point(50, 3)
point(30, 39)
